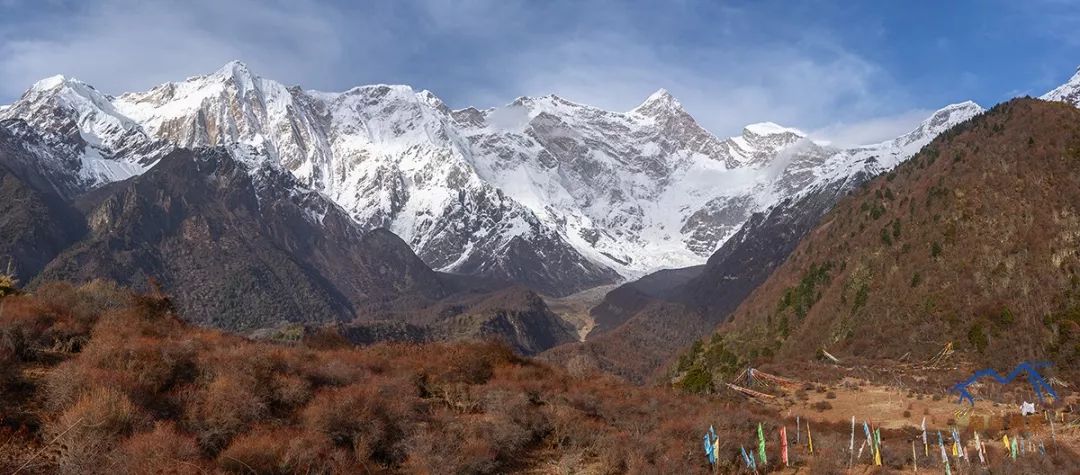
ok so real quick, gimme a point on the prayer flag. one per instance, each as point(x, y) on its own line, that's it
point(809, 438)
point(877, 446)
point(979, 448)
point(783, 445)
point(926, 446)
point(941, 445)
point(709, 453)
point(761, 445)
point(944, 457)
point(958, 443)
point(851, 444)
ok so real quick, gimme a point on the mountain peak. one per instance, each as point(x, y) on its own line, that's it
point(943, 119)
point(50, 82)
point(661, 94)
point(235, 70)
point(659, 101)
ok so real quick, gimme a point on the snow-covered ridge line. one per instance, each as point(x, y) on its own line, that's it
point(1068, 92)
point(587, 190)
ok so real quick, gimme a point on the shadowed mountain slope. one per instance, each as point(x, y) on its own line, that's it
point(973, 241)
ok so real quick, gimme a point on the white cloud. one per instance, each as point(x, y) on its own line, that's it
point(724, 88)
point(872, 130)
point(122, 45)
point(474, 52)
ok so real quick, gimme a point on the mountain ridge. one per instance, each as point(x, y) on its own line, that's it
point(613, 195)
point(926, 272)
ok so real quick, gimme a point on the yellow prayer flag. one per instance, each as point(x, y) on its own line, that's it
point(1005, 440)
point(809, 439)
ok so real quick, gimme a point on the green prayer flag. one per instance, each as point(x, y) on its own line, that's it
point(761, 444)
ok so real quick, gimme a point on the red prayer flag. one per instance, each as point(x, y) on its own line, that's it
point(783, 445)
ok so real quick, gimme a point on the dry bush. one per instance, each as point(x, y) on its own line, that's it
point(9, 375)
point(261, 450)
point(227, 407)
point(148, 394)
point(326, 338)
point(91, 427)
point(472, 449)
point(162, 450)
point(469, 363)
point(367, 417)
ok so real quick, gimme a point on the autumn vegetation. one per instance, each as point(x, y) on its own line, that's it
point(970, 242)
point(94, 378)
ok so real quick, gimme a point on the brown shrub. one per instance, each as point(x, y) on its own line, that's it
point(68, 381)
point(367, 417)
point(326, 338)
point(9, 375)
point(90, 428)
point(259, 451)
point(469, 363)
point(162, 450)
point(228, 407)
point(242, 406)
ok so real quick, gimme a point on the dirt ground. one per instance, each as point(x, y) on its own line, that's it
point(900, 411)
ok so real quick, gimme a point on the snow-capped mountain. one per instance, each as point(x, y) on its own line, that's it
point(881, 157)
point(81, 124)
point(1068, 92)
point(554, 194)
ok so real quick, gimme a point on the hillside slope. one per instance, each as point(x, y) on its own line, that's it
point(94, 377)
point(642, 325)
point(36, 220)
point(973, 241)
point(241, 244)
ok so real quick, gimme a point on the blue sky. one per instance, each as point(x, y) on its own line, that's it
point(847, 71)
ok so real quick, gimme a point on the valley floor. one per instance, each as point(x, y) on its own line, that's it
point(574, 309)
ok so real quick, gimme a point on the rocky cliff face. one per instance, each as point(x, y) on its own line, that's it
point(240, 244)
point(37, 221)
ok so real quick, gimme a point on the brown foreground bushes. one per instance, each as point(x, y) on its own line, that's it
point(95, 379)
